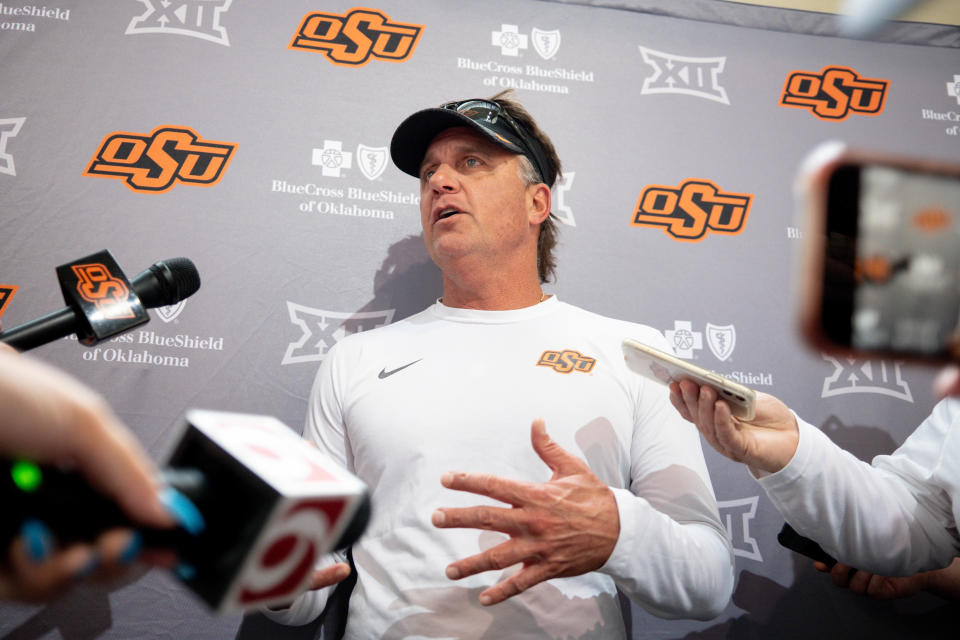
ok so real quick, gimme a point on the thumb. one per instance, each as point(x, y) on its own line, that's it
point(555, 456)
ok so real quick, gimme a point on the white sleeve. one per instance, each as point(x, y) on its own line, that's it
point(893, 518)
point(673, 557)
point(324, 427)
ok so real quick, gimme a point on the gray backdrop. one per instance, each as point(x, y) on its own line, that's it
point(309, 234)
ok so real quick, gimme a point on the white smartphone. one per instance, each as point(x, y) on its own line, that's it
point(665, 368)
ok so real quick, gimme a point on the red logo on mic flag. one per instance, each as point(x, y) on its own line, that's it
point(288, 557)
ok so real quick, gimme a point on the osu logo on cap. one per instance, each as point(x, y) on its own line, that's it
point(687, 212)
point(157, 161)
point(834, 93)
point(99, 287)
point(353, 38)
point(566, 361)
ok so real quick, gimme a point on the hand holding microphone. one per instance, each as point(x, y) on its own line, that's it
point(256, 505)
point(51, 417)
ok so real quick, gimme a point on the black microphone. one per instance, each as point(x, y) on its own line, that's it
point(100, 303)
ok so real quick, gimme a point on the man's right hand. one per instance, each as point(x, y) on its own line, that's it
point(765, 444)
point(329, 575)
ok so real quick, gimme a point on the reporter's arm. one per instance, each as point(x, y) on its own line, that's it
point(895, 517)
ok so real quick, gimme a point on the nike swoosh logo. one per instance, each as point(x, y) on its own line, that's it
point(386, 374)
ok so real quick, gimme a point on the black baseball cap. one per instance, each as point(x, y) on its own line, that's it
point(487, 117)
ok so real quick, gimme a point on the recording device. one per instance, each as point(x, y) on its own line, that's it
point(101, 302)
point(665, 368)
point(881, 263)
point(789, 538)
point(269, 506)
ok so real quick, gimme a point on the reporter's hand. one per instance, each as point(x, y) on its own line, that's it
point(50, 417)
point(767, 443)
point(879, 587)
point(943, 582)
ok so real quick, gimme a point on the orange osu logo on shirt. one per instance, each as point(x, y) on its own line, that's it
point(98, 286)
point(566, 361)
point(157, 161)
point(834, 93)
point(688, 211)
point(355, 37)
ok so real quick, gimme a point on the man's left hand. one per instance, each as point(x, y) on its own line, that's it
point(567, 526)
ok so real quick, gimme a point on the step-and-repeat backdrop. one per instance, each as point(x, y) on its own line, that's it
point(251, 137)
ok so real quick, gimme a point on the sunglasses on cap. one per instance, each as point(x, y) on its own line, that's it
point(492, 117)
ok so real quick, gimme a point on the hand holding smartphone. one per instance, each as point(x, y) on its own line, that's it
point(665, 368)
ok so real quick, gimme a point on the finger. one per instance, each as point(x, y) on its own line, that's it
point(947, 382)
point(556, 457)
point(34, 579)
point(329, 575)
point(690, 392)
point(119, 547)
point(726, 431)
point(503, 489)
point(859, 580)
point(676, 399)
point(879, 587)
point(820, 566)
point(506, 554)
point(483, 517)
point(518, 583)
point(840, 574)
point(114, 462)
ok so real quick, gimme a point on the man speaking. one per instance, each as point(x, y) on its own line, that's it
point(504, 440)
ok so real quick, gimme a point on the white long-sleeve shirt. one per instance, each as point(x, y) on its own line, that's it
point(457, 389)
point(895, 517)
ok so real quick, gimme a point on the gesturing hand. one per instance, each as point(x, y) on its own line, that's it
point(767, 443)
point(567, 526)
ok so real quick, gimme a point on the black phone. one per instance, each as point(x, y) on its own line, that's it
point(882, 261)
point(789, 538)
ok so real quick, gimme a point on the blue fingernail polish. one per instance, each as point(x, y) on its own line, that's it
point(183, 510)
point(38, 539)
point(88, 568)
point(185, 571)
point(133, 548)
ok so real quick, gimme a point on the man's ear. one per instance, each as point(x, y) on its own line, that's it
point(538, 200)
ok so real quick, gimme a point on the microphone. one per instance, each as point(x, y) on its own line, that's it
point(101, 303)
point(268, 503)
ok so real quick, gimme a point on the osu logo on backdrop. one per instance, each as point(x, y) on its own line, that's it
point(566, 361)
point(688, 211)
point(99, 287)
point(6, 293)
point(157, 161)
point(353, 38)
point(834, 93)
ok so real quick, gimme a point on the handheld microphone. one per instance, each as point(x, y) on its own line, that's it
point(102, 303)
point(270, 505)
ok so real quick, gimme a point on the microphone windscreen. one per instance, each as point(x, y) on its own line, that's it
point(167, 282)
